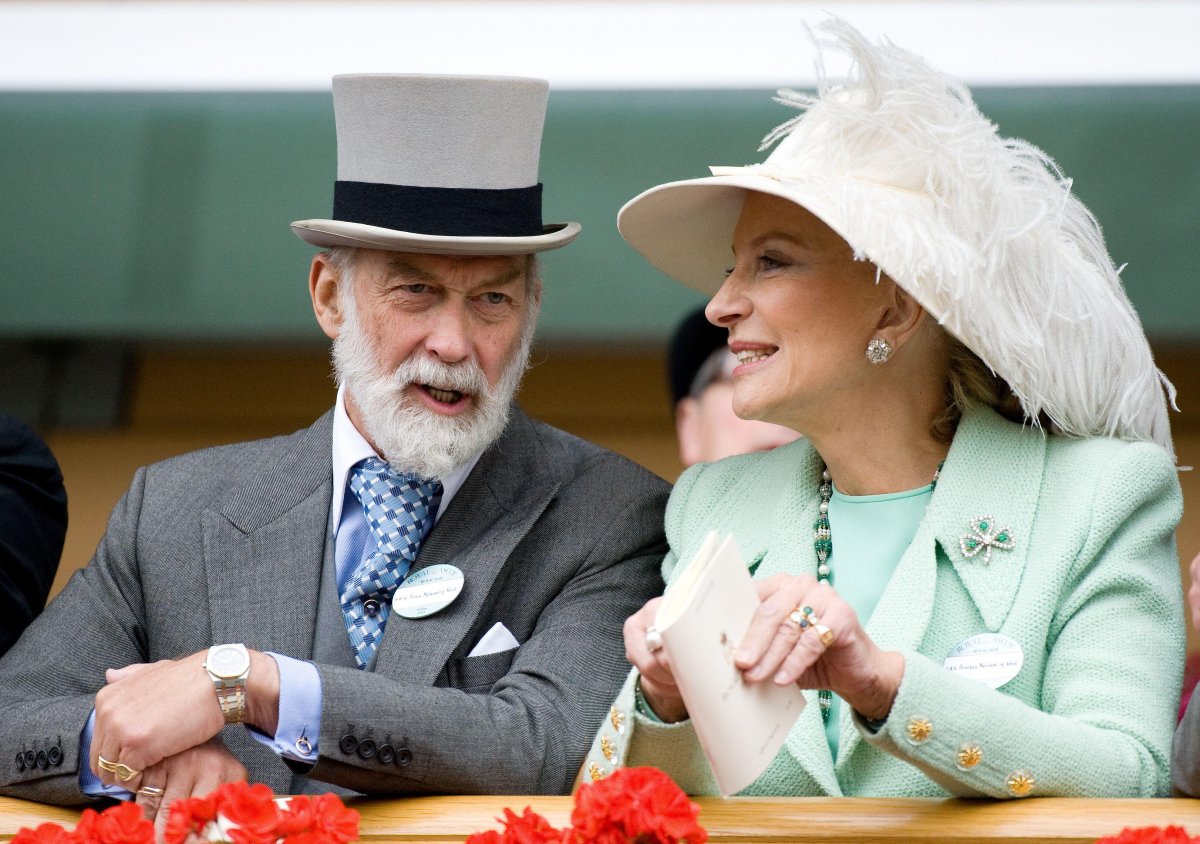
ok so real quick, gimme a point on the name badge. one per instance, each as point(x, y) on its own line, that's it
point(428, 591)
point(990, 658)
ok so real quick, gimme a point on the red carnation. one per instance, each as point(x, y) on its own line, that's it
point(1151, 835)
point(124, 823)
point(47, 833)
point(527, 828)
point(188, 816)
point(636, 804)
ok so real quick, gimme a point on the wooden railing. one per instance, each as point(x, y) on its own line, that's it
point(844, 820)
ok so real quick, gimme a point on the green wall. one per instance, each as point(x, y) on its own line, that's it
point(163, 216)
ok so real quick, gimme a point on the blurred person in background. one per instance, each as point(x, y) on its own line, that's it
point(699, 368)
point(1185, 754)
point(33, 526)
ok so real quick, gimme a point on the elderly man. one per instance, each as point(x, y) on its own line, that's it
point(422, 592)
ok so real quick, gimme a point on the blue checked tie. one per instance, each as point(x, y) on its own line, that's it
point(400, 510)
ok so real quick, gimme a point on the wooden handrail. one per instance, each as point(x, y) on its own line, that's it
point(846, 820)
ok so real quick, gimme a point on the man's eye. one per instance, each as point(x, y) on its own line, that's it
point(415, 288)
point(494, 298)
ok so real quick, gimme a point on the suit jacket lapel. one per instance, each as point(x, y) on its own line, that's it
point(993, 469)
point(263, 548)
point(502, 498)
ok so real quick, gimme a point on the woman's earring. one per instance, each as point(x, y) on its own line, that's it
point(879, 350)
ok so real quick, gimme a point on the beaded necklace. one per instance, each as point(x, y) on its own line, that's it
point(823, 545)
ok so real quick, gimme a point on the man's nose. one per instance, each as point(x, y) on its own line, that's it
point(449, 335)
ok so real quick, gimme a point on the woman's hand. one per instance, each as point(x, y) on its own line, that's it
point(776, 648)
point(193, 773)
point(658, 684)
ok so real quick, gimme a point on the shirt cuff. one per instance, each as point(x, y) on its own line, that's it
point(299, 711)
point(89, 783)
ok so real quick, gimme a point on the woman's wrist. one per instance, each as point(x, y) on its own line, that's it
point(657, 710)
point(875, 702)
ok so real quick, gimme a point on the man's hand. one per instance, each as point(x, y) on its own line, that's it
point(149, 713)
point(193, 773)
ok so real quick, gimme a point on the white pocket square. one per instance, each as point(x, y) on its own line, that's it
point(497, 639)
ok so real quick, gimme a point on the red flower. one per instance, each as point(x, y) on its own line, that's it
point(527, 828)
point(1151, 835)
point(47, 833)
point(124, 823)
point(332, 819)
point(252, 808)
point(188, 816)
point(636, 805)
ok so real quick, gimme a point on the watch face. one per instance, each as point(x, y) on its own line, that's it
point(227, 661)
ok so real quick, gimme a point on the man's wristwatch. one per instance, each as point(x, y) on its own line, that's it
point(228, 666)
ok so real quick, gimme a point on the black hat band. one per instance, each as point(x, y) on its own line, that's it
point(451, 212)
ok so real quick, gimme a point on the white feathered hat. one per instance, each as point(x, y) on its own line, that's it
point(983, 231)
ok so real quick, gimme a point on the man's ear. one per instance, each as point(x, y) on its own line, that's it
point(324, 286)
point(901, 318)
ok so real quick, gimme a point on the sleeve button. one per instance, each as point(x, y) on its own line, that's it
point(1020, 783)
point(55, 755)
point(20, 761)
point(968, 756)
point(348, 744)
point(918, 730)
point(403, 756)
point(366, 749)
point(43, 761)
point(30, 759)
point(387, 754)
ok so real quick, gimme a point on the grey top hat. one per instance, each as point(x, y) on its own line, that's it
point(438, 164)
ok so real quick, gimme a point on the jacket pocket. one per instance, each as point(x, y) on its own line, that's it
point(480, 673)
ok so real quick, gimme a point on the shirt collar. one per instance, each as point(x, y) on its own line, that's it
point(350, 447)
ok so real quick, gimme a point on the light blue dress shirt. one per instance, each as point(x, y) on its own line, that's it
point(300, 695)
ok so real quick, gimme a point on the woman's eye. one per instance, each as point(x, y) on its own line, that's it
point(728, 272)
point(766, 262)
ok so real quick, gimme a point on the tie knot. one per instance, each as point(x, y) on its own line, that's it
point(400, 508)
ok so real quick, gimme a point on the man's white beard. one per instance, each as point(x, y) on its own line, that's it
point(410, 436)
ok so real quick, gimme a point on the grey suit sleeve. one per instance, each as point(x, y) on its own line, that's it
point(49, 679)
point(527, 732)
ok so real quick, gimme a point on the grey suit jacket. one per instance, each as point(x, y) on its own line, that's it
point(559, 540)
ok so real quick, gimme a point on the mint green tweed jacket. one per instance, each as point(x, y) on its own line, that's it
point(1091, 592)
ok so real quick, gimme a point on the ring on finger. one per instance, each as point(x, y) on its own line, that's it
point(826, 635)
point(150, 791)
point(122, 771)
point(654, 639)
point(797, 617)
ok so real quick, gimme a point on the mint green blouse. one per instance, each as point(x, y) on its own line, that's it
point(870, 534)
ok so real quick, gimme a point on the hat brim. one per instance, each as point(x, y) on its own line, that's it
point(685, 229)
point(329, 233)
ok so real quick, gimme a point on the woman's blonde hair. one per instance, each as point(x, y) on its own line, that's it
point(971, 383)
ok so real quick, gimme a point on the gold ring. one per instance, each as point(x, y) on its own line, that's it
point(124, 772)
point(150, 791)
point(797, 618)
point(827, 636)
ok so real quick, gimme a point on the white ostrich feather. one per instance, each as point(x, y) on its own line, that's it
point(984, 231)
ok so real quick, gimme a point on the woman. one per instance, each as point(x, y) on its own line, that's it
point(992, 607)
